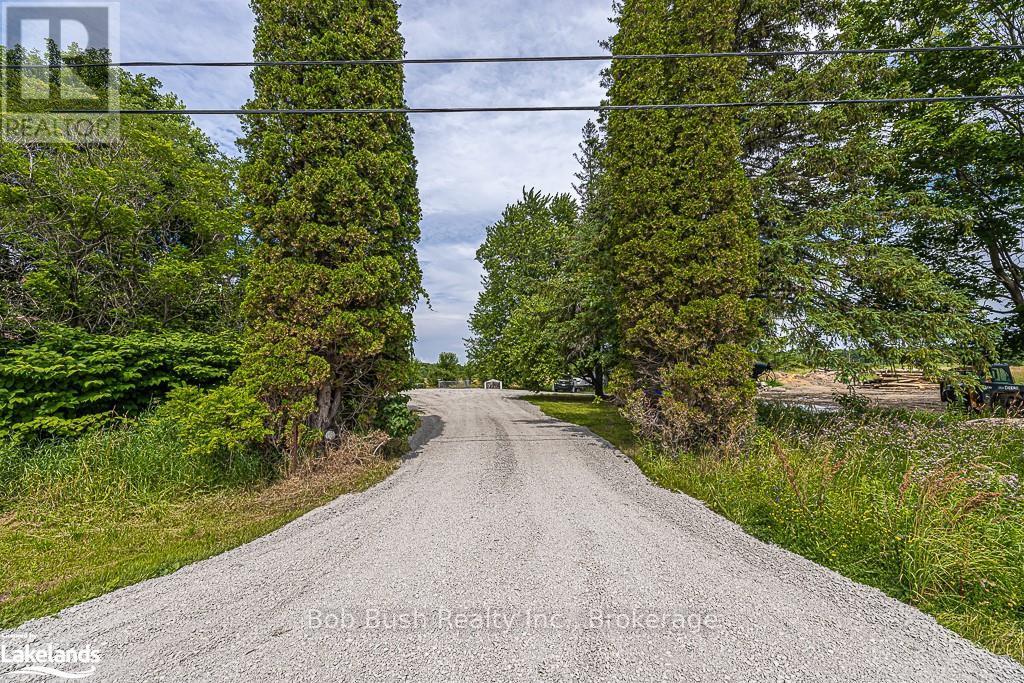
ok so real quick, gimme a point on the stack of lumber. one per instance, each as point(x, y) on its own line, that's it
point(900, 380)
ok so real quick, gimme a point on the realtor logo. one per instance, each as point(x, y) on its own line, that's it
point(32, 659)
point(44, 81)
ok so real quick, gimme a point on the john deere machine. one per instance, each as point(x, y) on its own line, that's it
point(996, 389)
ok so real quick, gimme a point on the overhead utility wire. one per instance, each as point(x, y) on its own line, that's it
point(591, 108)
point(515, 60)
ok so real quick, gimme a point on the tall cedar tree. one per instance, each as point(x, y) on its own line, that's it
point(335, 208)
point(685, 241)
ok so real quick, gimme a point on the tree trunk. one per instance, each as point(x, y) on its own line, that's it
point(1003, 268)
point(599, 380)
point(327, 405)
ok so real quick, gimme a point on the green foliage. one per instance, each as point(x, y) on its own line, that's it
point(582, 296)
point(69, 381)
point(523, 256)
point(843, 291)
point(547, 310)
point(223, 425)
point(927, 510)
point(963, 163)
point(447, 367)
point(139, 462)
point(842, 287)
point(685, 241)
point(333, 203)
point(143, 234)
point(396, 419)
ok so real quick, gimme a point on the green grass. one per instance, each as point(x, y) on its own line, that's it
point(81, 518)
point(599, 417)
point(925, 507)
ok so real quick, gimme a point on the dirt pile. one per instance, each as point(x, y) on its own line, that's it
point(818, 388)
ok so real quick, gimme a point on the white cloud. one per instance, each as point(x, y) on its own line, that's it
point(470, 165)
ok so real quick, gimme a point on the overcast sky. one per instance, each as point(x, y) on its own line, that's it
point(470, 165)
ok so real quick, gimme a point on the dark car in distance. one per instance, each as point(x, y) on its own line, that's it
point(569, 385)
point(563, 386)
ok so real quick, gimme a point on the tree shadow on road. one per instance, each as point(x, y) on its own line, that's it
point(431, 427)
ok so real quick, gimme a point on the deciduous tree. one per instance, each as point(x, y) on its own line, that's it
point(842, 287)
point(140, 234)
point(523, 255)
point(448, 368)
point(963, 161)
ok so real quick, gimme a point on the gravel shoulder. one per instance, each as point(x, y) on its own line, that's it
point(511, 546)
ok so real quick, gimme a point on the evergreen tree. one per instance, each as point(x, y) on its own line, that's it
point(547, 311)
point(686, 248)
point(844, 291)
point(585, 328)
point(334, 205)
point(963, 161)
point(841, 286)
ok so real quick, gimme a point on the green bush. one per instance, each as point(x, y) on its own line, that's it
point(68, 381)
point(225, 425)
point(395, 418)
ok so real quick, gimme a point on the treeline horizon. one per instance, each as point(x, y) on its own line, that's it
point(855, 236)
point(852, 236)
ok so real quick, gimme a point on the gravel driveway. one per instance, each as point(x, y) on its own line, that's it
point(510, 546)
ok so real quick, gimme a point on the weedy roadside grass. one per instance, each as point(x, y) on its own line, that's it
point(929, 508)
point(81, 518)
point(600, 417)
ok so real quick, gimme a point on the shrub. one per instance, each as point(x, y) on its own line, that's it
point(69, 381)
point(395, 418)
point(142, 235)
point(224, 426)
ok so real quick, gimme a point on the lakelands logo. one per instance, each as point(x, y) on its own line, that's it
point(46, 659)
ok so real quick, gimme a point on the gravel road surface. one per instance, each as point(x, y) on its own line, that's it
point(509, 546)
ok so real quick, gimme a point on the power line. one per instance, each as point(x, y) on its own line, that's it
point(517, 60)
point(583, 108)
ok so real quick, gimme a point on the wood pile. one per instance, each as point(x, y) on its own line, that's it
point(900, 380)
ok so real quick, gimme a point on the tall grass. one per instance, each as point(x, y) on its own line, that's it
point(928, 508)
point(135, 464)
point(82, 517)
